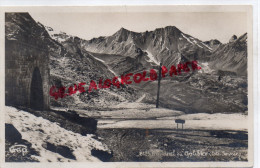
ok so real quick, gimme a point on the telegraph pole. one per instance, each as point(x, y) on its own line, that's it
point(158, 90)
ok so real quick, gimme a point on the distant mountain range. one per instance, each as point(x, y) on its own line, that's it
point(168, 45)
point(220, 86)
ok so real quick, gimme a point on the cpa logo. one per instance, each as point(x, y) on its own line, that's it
point(21, 149)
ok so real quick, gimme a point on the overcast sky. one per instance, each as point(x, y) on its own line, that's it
point(204, 26)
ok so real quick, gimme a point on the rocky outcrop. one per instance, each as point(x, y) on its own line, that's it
point(233, 38)
point(214, 44)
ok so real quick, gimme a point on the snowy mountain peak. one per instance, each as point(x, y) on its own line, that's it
point(57, 35)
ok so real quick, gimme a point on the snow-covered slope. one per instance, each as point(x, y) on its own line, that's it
point(39, 132)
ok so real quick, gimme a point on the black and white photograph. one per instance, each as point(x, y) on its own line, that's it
point(128, 85)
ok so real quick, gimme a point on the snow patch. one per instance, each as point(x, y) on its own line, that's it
point(39, 131)
point(199, 45)
point(51, 31)
point(60, 39)
point(99, 59)
point(186, 38)
point(141, 98)
point(207, 46)
point(113, 72)
point(195, 42)
point(205, 68)
point(152, 58)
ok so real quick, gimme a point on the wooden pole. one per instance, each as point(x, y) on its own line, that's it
point(146, 132)
point(158, 89)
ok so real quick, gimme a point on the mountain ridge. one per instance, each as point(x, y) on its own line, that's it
point(220, 86)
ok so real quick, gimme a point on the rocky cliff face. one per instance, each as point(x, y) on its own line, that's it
point(214, 44)
point(168, 45)
point(232, 56)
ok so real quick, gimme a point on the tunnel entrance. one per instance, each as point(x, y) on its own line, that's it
point(36, 94)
